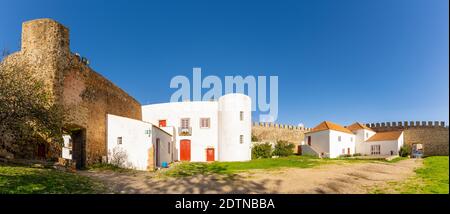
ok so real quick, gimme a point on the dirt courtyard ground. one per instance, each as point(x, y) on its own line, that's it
point(342, 178)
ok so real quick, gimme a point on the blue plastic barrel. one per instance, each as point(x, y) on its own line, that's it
point(164, 164)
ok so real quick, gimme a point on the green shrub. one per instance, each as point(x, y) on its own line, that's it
point(357, 154)
point(255, 139)
point(263, 150)
point(405, 150)
point(283, 148)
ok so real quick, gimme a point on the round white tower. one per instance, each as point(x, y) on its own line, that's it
point(235, 127)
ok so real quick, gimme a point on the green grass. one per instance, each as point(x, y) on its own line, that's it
point(108, 167)
point(397, 159)
point(229, 168)
point(25, 180)
point(432, 178)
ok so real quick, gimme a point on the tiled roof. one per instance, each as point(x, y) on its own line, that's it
point(358, 126)
point(383, 136)
point(327, 125)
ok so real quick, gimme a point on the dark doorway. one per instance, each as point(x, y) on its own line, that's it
point(79, 148)
point(41, 151)
point(157, 154)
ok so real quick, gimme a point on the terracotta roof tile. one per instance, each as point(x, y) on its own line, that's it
point(382, 136)
point(358, 126)
point(327, 125)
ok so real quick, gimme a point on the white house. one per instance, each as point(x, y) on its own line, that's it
point(137, 144)
point(206, 130)
point(332, 140)
point(383, 143)
point(186, 131)
point(362, 133)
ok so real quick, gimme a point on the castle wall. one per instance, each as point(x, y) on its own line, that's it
point(86, 95)
point(270, 132)
point(432, 134)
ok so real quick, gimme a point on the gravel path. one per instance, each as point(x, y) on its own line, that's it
point(343, 178)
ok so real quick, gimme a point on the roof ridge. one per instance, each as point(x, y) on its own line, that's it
point(327, 124)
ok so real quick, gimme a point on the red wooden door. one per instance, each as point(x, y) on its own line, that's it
point(185, 150)
point(210, 154)
point(348, 150)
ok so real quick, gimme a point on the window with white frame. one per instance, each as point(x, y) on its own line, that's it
point(205, 123)
point(119, 140)
point(339, 138)
point(185, 123)
point(375, 149)
point(351, 139)
point(241, 139)
point(241, 115)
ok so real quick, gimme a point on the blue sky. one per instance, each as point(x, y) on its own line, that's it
point(344, 61)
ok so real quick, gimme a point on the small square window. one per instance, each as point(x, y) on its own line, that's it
point(241, 139)
point(185, 123)
point(119, 140)
point(339, 138)
point(241, 115)
point(205, 123)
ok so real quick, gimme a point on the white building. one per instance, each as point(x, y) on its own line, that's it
point(362, 133)
point(332, 140)
point(383, 143)
point(137, 144)
point(185, 131)
point(206, 130)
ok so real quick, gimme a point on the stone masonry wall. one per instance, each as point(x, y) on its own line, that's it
point(433, 135)
point(269, 132)
point(86, 95)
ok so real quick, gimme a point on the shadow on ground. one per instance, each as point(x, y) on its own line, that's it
point(144, 182)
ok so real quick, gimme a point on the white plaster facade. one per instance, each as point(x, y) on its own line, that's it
point(332, 140)
point(331, 143)
point(362, 135)
point(132, 140)
point(386, 147)
point(228, 132)
point(67, 147)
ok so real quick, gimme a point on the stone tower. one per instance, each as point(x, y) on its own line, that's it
point(87, 96)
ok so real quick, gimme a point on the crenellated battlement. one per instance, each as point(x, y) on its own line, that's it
point(407, 124)
point(280, 126)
